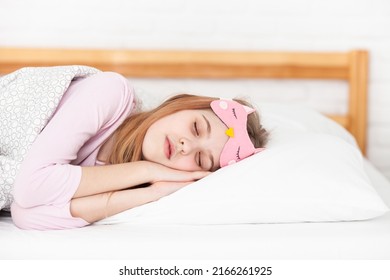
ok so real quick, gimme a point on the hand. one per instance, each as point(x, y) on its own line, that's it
point(162, 189)
point(160, 172)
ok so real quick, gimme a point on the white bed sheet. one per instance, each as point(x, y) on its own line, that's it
point(346, 240)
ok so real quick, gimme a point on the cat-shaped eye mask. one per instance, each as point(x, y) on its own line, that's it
point(235, 116)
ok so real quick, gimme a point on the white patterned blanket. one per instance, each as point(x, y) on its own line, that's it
point(28, 98)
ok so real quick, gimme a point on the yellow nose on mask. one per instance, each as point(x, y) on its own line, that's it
point(230, 132)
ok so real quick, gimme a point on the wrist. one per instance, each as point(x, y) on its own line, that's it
point(150, 170)
point(146, 168)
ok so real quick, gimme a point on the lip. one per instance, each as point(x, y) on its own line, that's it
point(168, 148)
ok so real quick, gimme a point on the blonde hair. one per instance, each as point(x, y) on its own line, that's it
point(128, 138)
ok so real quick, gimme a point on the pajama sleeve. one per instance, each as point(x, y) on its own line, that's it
point(47, 178)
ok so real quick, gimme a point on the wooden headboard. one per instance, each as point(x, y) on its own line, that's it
point(350, 66)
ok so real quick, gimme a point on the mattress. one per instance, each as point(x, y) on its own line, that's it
point(335, 240)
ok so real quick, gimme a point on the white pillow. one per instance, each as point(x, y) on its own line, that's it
point(282, 119)
point(307, 177)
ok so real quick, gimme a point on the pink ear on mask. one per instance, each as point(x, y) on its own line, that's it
point(239, 145)
point(248, 109)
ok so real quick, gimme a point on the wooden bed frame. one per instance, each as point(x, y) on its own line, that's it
point(350, 66)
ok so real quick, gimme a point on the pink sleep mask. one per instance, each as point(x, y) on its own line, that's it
point(234, 115)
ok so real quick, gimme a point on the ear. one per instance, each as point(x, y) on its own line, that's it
point(248, 110)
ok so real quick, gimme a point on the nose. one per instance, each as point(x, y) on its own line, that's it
point(187, 146)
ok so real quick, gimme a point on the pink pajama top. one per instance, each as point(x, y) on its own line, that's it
point(91, 110)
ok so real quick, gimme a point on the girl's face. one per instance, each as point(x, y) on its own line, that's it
point(186, 140)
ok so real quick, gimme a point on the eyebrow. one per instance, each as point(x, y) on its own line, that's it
point(209, 132)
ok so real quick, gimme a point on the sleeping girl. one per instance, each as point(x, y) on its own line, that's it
point(98, 155)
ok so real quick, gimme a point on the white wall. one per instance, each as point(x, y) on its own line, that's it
point(222, 24)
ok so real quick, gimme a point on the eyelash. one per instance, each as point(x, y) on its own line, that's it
point(238, 154)
point(199, 160)
point(234, 113)
point(196, 129)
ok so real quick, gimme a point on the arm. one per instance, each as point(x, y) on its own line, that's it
point(90, 106)
point(96, 207)
point(104, 190)
point(103, 179)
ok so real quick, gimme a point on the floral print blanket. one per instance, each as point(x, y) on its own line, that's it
point(28, 99)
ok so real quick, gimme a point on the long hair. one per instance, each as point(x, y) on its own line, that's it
point(129, 136)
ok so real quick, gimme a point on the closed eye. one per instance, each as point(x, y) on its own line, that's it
point(199, 159)
point(196, 130)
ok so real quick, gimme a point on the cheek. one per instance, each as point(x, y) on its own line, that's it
point(145, 144)
point(221, 140)
point(186, 164)
point(145, 149)
point(150, 144)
